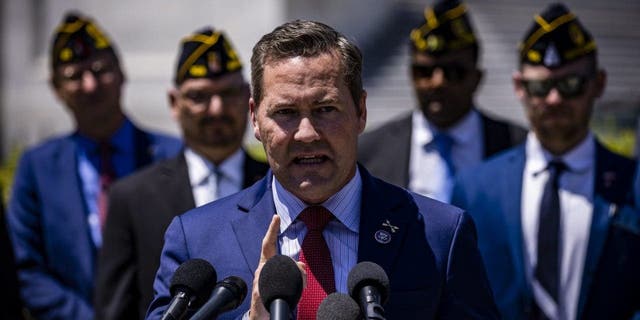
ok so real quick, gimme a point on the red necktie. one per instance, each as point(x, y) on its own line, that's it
point(107, 175)
point(315, 254)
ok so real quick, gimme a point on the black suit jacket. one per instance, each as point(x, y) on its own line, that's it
point(386, 150)
point(140, 209)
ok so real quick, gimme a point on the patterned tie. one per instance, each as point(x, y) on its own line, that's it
point(107, 176)
point(315, 254)
point(547, 270)
point(444, 142)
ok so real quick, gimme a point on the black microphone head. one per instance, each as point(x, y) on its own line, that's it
point(367, 273)
point(280, 278)
point(196, 277)
point(238, 288)
point(338, 306)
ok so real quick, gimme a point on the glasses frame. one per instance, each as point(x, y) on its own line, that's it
point(453, 72)
point(561, 84)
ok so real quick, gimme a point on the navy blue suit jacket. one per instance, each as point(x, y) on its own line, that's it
point(47, 216)
point(432, 260)
point(492, 195)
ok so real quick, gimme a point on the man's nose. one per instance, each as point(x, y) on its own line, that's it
point(89, 81)
point(216, 105)
point(553, 97)
point(306, 132)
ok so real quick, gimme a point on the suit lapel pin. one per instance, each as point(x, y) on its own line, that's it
point(382, 236)
point(391, 227)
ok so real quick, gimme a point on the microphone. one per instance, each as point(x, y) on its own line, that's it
point(338, 306)
point(280, 286)
point(368, 284)
point(190, 286)
point(227, 295)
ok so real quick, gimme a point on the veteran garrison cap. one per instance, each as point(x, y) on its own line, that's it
point(447, 28)
point(555, 38)
point(206, 54)
point(78, 38)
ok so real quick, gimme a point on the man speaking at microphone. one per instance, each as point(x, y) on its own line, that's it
point(318, 206)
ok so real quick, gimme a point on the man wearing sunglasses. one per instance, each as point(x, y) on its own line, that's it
point(555, 223)
point(445, 133)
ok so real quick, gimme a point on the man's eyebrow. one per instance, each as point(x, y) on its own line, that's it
point(328, 100)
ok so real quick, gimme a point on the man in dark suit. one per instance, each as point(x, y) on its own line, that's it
point(557, 235)
point(422, 150)
point(58, 204)
point(210, 101)
point(308, 108)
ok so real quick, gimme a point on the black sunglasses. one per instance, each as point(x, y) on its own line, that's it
point(452, 72)
point(570, 86)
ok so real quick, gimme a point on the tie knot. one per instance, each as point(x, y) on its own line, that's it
point(556, 167)
point(443, 140)
point(105, 148)
point(315, 217)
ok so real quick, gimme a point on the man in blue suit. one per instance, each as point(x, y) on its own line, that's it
point(58, 203)
point(308, 108)
point(555, 230)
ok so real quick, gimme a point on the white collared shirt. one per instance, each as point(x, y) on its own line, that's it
point(207, 186)
point(428, 173)
point(576, 207)
point(341, 234)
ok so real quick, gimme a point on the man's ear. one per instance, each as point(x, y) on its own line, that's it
point(601, 82)
point(55, 86)
point(478, 75)
point(362, 107)
point(172, 97)
point(253, 110)
point(516, 79)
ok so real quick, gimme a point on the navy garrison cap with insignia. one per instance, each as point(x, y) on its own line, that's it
point(447, 28)
point(206, 54)
point(556, 38)
point(78, 38)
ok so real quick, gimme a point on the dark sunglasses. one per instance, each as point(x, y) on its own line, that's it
point(452, 72)
point(570, 86)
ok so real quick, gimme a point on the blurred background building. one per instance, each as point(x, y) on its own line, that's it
point(147, 34)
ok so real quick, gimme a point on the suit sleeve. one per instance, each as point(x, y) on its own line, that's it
point(467, 292)
point(173, 254)
point(116, 294)
point(42, 293)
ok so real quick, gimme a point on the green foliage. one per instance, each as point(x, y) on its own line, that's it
point(256, 151)
point(621, 141)
point(7, 171)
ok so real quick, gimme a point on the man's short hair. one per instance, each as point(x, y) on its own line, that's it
point(302, 38)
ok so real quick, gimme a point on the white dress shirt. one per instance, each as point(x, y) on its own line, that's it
point(341, 234)
point(576, 210)
point(207, 186)
point(428, 173)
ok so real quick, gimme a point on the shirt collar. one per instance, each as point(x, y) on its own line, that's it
point(578, 159)
point(462, 133)
point(200, 168)
point(344, 205)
